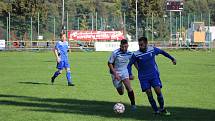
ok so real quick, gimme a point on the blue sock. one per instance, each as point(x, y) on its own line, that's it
point(68, 76)
point(153, 103)
point(56, 74)
point(160, 100)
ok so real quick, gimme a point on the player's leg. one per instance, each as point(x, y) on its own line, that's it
point(69, 77)
point(152, 101)
point(58, 72)
point(156, 83)
point(68, 73)
point(161, 101)
point(118, 85)
point(146, 87)
point(120, 90)
point(130, 91)
point(159, 96)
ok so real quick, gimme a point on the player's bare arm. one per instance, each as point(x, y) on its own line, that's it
point(110, 65)
point(56, 55)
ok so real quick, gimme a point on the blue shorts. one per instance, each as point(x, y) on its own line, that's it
point(147, 84)
point(63, 64)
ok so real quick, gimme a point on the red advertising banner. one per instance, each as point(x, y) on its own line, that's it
point(95, 35)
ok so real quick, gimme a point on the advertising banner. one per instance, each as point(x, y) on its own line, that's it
point(2, 44)
point(95, 35)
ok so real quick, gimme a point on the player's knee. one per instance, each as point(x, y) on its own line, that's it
point(149, 92)
point(129, 89)
point(149, 95)
point(158, 90)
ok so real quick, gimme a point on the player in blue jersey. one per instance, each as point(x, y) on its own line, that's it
point(117, 64)
point(148, 72)
point(61, 53)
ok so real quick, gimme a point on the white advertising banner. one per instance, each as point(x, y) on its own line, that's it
point(111, 46)
point(2, 44)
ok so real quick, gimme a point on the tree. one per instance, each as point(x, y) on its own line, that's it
point(211, 5)
point(3, 7)
point(145, 10)
point(21, 11)
point(111, 12)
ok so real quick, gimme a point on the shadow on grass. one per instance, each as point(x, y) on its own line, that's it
point(39, 83)
point(101, 108)
point(49, 61)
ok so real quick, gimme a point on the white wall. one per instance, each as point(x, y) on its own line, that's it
point(111, 46)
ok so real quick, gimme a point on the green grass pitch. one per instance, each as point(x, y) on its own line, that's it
point(27, 95)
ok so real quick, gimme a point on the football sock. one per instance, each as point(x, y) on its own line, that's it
point(131, 97)
point(153, 103)
point(160, 100)
point(68, 76)
point(56, 74)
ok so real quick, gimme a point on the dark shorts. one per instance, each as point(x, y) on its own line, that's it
point(63, 64)
point(147, 84)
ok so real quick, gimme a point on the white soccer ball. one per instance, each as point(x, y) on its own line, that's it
point(119, 108)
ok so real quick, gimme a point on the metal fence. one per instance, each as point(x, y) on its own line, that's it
point(170, 31)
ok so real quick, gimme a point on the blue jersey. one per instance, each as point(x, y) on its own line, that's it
point(120, 60)
point(62, 48)
point(147, 67)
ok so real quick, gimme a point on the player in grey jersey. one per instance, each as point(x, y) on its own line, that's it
point(117, 64)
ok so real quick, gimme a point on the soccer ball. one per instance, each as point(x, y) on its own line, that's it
point(119, 108)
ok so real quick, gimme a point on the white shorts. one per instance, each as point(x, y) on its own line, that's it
point(118, 83)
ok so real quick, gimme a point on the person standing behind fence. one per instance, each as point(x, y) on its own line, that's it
point(61, 53)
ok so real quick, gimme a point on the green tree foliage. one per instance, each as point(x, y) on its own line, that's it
point(3, 7)
point(110, 14)
point(145, 10)
point(211, 5)
point(21, 11)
